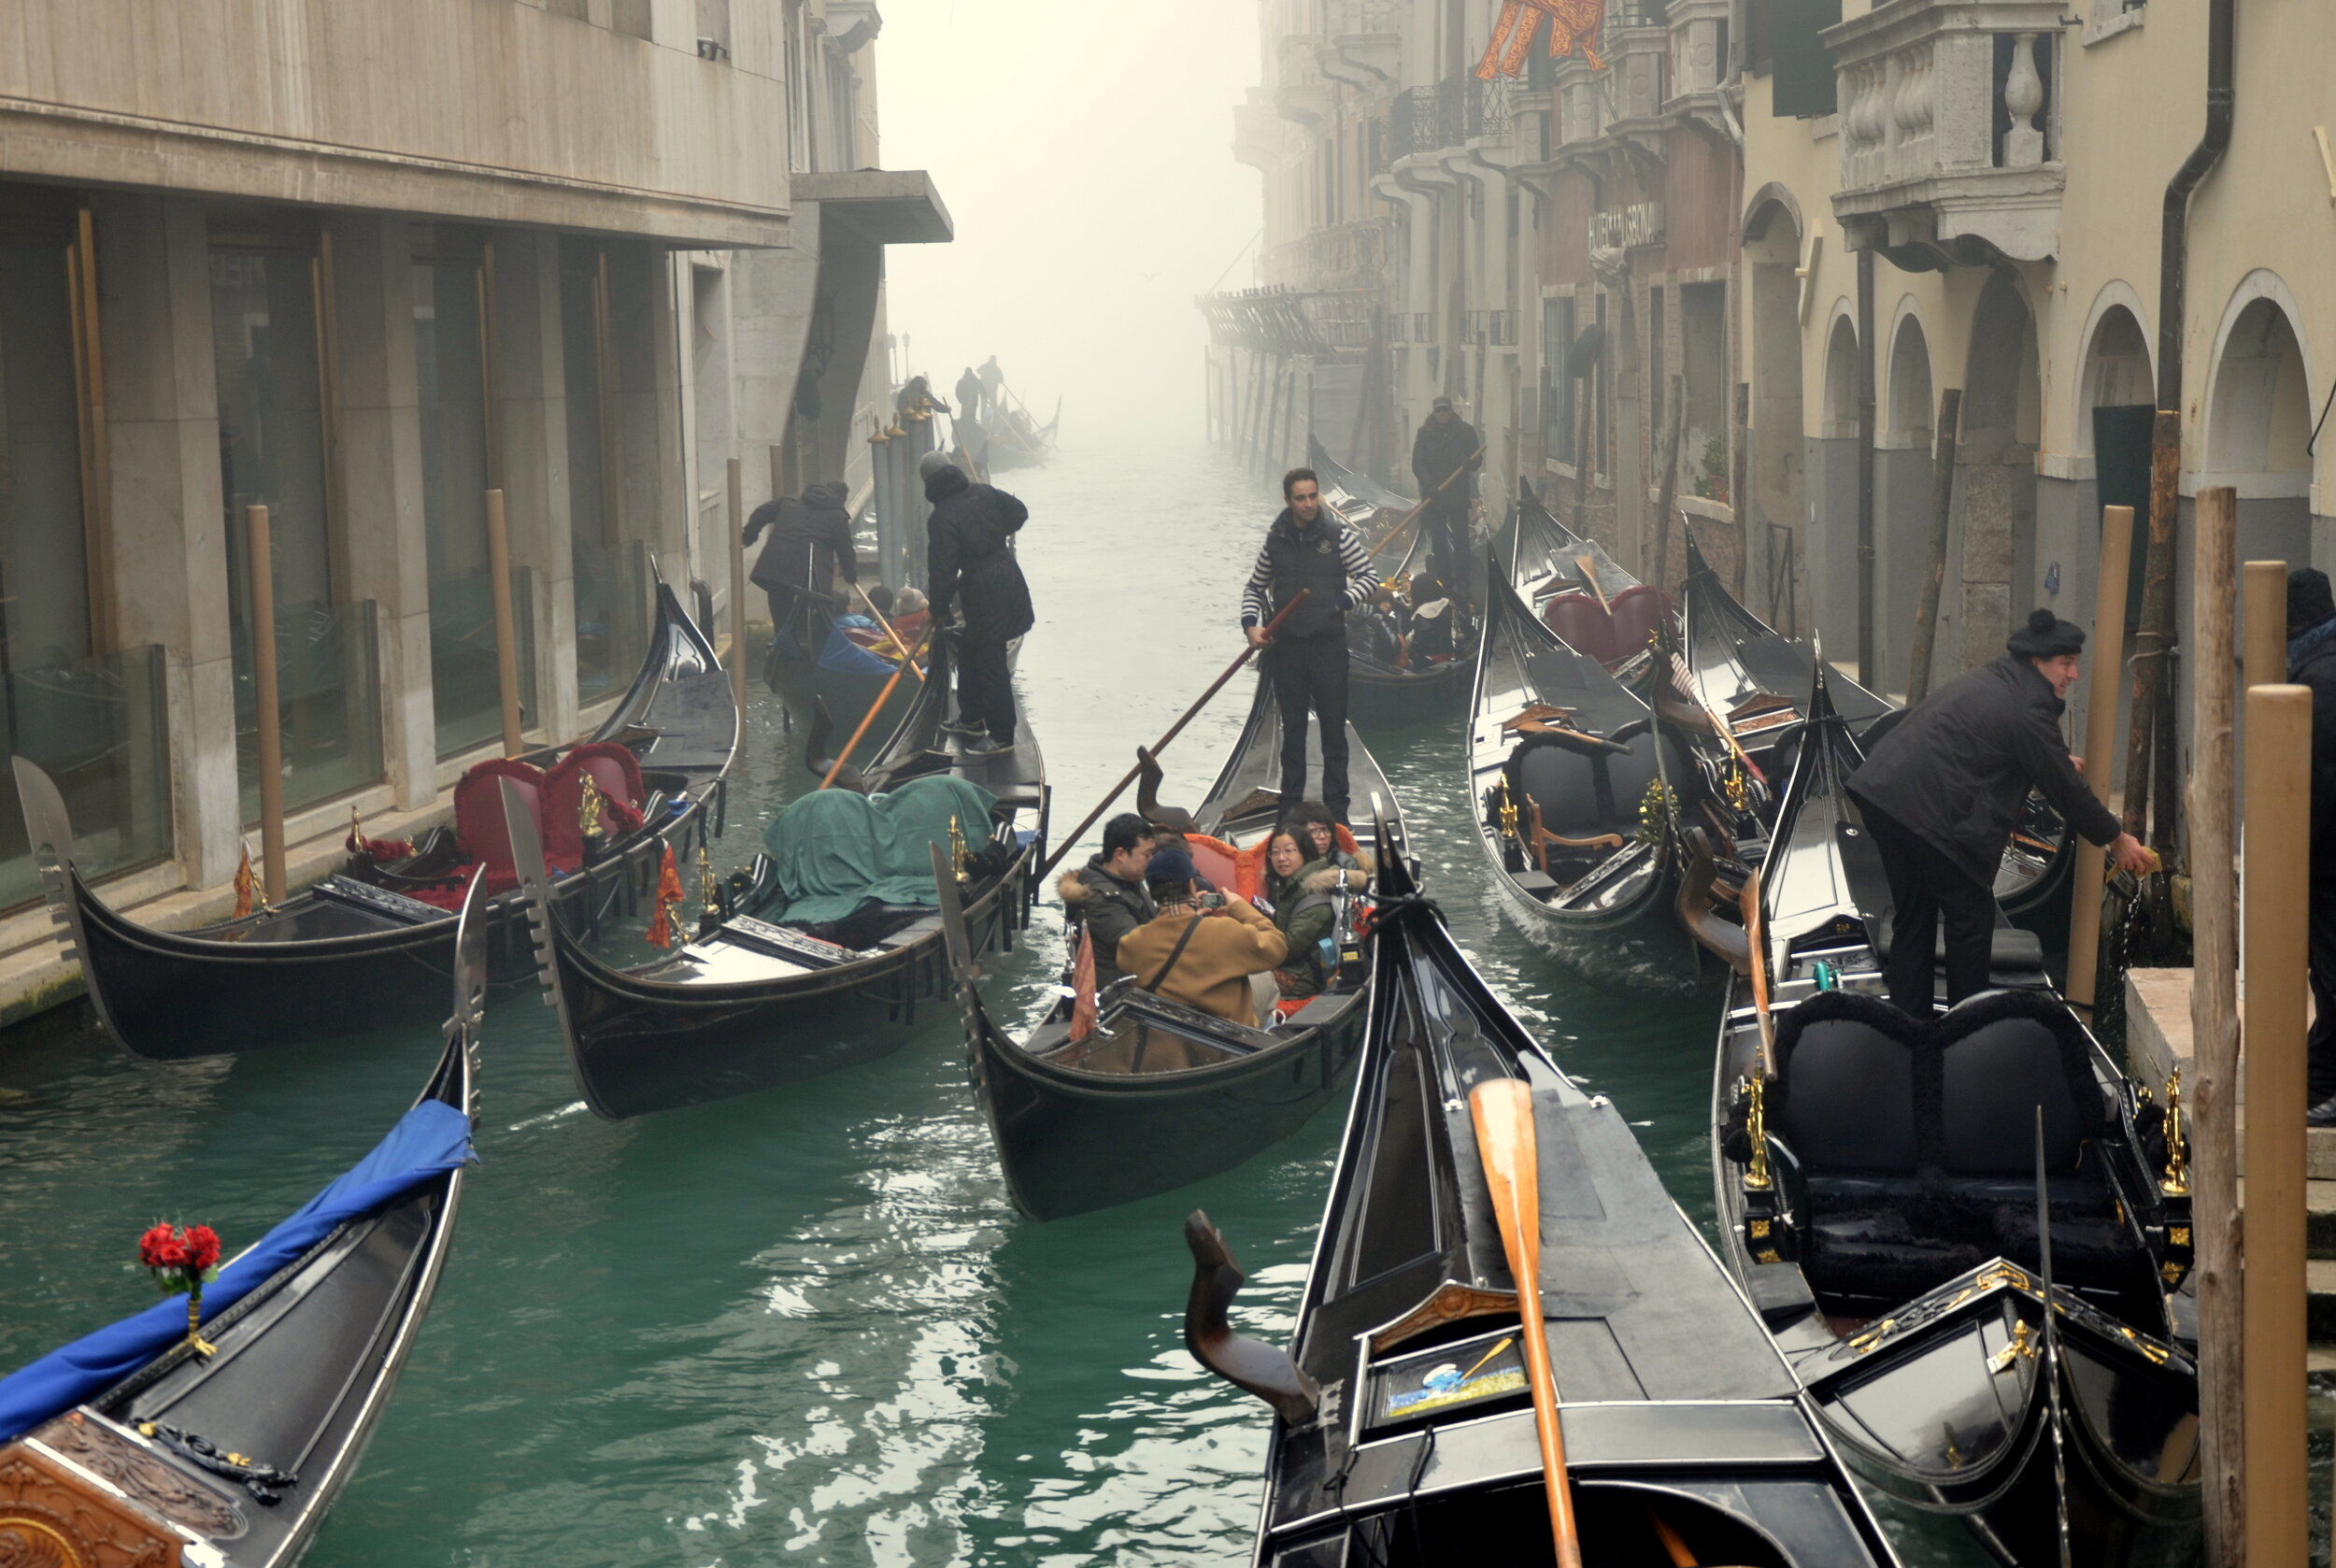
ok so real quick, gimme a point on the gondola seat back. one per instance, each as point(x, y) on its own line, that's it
point(1582, 795)
point(1637, 613)
point(616, 773)
point(1584, 623)
point(2006, 1055)
point(478, 825)
point(1847, 1086)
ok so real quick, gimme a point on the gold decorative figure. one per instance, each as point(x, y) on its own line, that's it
point(1508, 808)
point(2177, 1181)
point(958, 857)
point(710, 893)
point(1756, 1176)
point(588, 810)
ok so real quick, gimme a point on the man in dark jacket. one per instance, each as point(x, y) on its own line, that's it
point(1308, 547)
point(1940, 795)
point(968, 397)
point(972, 569)
point(809, 546)
point(2311, 661)
point(1107, 895)
point(1446, 446)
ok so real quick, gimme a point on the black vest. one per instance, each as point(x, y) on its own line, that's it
point(1308, 560)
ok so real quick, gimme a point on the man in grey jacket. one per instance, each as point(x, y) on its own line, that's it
point(1940, 795)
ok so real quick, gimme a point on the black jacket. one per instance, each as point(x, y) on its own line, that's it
point(967, 559)
point(2311, 661)
point(1438, 450)
point(810, 541)
point(1955, 771)
point(1109, 908)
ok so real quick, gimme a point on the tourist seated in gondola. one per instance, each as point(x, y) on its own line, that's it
point(1376, 630)
point(844, 651)
point(1108, 896)
point(911, 615)
point(1302, 891)
point(1204, 949)
point(1320, 829)
point(1434, 640)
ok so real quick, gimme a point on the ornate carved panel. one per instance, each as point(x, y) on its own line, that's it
point(51, 1518)
point(145, 1474)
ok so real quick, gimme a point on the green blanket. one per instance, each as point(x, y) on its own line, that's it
point(836, 850)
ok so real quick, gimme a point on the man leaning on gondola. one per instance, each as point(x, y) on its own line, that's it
point(1308, 548)
point(1941, 791)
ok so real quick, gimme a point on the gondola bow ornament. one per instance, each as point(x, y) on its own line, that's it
point(669, 900)
point(1572, 24)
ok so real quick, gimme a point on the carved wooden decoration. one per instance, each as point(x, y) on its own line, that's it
point(52, 1518)
point(105, 1452)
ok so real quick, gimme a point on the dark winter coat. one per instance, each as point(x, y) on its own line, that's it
point(967, 559)
point(968, 395)
point(1956, 770)
point(2311, 661)
point(1438, 450)
point(1109, 908)
point(810, 541)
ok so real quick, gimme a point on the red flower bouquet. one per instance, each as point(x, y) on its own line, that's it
point(183, 1260)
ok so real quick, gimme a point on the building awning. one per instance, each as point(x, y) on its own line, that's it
point(885, 206)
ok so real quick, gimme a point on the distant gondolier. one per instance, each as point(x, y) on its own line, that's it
point(1309, 549)
point(810, 545)
point(1940, 795)
point(969, 396)
point(1447, 446)
point(974, 570)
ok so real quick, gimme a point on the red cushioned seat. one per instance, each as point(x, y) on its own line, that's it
point(618, 774)
point(1584, 623)
point(1638, 614)
point(478, 825)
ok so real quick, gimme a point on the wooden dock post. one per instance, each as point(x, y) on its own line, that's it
point(2266, 628)
point(2101, 739)
point(258, 563)
point(507, 622)
point(2277, 889)
point(737, 585)
point(2213, 1016)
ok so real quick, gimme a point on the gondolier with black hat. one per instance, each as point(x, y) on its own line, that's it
point(1941, 791)
point(972, 569)
point(1445, 457)
point(1309, 549)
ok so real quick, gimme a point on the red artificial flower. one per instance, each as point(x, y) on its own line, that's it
point(201, 1248)
point(161, 1248)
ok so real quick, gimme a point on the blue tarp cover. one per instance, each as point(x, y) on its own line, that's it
point(842, 654)
point(835, 850)
point(433, 1138)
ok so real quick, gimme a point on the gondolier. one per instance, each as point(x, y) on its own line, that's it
point(809, 546)
point(974, 570)
point(1446, 446)
point(1308, 550)
point(1941, 791)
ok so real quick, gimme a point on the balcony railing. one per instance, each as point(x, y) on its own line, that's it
point(1414, 125)
point(1360, 16)
point(1948, 126)
point(1490, 112)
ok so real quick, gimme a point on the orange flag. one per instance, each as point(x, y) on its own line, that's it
point(1083, 984)
point(247, 885)
point(1573, 23)
point(669, 897)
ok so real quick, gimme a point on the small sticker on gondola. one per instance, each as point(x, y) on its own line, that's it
point(800, 946)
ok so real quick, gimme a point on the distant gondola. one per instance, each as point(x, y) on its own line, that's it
point(1573, 588)
point(1404, 1432)
point(752, 1003)
point(1379, 692)
point(1160, 1096)
point(1562, 765)
point(128, 1447)
point(359, 951)
point(1878, 1200)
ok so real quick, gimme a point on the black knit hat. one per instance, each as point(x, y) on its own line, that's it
point(2047, 637)
point(2308, 602)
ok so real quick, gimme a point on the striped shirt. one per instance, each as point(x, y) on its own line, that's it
point(1362, 578)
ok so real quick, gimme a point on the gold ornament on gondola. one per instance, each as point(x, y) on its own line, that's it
point(1738, 785)
point(588, 810)
point(2177, 1182)
point(958, 857)
point(1756, 1177)
point(1655, 812)
point(709, 893)
point(1508, 809)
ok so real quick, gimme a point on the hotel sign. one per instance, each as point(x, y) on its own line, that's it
point(1627, 228)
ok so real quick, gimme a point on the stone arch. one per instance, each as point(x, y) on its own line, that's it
point(2258, 400)
point(1841, 376)
point(1778, 487)
point(1903, 485)
point(1909, 397)
point(2002, 420)
point(1768, 203)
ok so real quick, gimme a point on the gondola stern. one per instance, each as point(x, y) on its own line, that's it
point(543, 928)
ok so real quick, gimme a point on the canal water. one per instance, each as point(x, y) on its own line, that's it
point(806, 1326)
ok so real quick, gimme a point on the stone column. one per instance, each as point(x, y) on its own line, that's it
point(382, 517)
point(170, 553)
point(532, 365)
point(652, 505)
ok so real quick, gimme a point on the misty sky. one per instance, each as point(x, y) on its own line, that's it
point(1085, 151)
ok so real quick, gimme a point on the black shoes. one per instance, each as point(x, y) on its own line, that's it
point(2322, 1115)
point(962, 726)
point(989, 746)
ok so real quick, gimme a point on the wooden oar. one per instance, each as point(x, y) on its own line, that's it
point(1754, 940)
point(908, 663)
point(1589, 574)
point(1502, 1111)
point(1174, 730)
point(874, 708)
point(1406, 520)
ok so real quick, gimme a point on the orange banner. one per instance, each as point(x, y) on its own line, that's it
point(1572, 24)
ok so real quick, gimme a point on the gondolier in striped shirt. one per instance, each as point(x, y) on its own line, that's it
point(1308, 547)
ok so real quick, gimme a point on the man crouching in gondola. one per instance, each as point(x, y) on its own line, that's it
point(1941, 791)
point(1108, 895)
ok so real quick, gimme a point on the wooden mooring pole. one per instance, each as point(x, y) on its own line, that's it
point(2265, 630)
point(2213, 1016)
point(2278, 912)
point(507, 622)
point(259, 563)
point(737, 583)
point(2101, 739)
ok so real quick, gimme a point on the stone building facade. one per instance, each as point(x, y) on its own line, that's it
point(360, 264)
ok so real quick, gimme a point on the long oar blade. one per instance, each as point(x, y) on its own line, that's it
point(1502, 1111)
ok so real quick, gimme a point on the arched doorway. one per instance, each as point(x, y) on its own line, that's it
point(1779, 494)
point(1901, 487)
point(1995, 467)
point(2258, 424)
point(2120, 404)
point(1832, 564)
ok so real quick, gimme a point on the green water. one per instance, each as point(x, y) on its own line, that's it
point(806, 1326)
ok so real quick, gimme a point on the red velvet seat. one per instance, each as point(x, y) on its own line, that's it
point(478, 825)
point(618, 774)
point(1638, 614)
point(1584, 623)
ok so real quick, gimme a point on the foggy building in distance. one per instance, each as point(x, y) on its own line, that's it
point(361, 263)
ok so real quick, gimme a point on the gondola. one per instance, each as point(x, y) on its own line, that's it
point(1405, 1433)
point(131, 1447)
point(752, 1002)
point(1160, 1096)
point(1878, 1199)
point(1566, 770)
point(1381, 693)
point(356, 951)
point(1574, 587)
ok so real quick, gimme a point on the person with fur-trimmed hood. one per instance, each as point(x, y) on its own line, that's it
point(1108, 895)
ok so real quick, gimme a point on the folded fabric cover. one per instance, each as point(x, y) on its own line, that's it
point(431, 1138)
point(836, 850)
